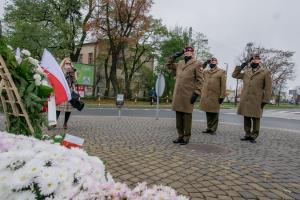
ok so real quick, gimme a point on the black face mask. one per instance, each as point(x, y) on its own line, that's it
point(254, 65)
point(187, 58)
point(212, 65)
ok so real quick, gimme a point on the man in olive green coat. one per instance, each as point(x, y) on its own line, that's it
point(188, 85)
point(255, 95)
point(213, 94)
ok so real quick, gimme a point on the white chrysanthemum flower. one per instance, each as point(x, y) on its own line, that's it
point(5, 175)
point(20, 179)
point(33, 61)
point(48, 186)
point(42, 148)
point(5, 191)
point(26, 52)
point(48, 180)
point(45, 83)
point(24, 195)
point(64, 186)
point(37, 77)
point(140, 187)
point(162, 196)
point(38, 82)
point(8, 46)
point(109, 178)
point(63, 175)
point(39, 70)
point(79, 152)
point(181, 197)
point(148, 194)
point(25, 154)
point(6, 160)
point(34, 167)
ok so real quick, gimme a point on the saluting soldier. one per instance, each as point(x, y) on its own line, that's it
point(213, 94)
point(256, 93)
point(188, 85)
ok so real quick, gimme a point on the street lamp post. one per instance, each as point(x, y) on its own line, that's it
point(226, 68)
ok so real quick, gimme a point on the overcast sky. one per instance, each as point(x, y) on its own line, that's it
point(230, 24)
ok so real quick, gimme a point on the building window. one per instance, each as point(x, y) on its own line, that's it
point(80, 58)
point(90, 58)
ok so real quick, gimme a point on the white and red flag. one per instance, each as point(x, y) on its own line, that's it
point(56, 77)
point(72, 141)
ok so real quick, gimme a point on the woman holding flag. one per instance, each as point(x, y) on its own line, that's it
point(70, 75)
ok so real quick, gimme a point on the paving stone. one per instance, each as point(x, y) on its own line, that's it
point(247, 195)
point(281, 194)
point(141, 149)
point(224, 197)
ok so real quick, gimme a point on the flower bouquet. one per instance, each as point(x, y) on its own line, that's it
point(33, 88)
point(32, 169)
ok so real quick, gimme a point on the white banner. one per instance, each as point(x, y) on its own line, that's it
point(51, 111)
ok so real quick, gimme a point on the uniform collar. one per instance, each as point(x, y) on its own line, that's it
point(254, 72)
point(191, 61)
point(213, 70)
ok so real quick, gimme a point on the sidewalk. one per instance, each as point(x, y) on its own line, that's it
point(211, 167)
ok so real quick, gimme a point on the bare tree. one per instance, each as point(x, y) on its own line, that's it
point(279, 62)
point(116, 21)
point(142, 51)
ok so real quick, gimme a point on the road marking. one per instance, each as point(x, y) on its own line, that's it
point(197, 120)
point(280, 114)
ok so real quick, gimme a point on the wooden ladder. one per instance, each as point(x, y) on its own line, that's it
point(10, 98)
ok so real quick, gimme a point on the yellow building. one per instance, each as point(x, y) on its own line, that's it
point(94, 53)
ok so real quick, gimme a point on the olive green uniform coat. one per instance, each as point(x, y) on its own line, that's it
point(214, 88)
point(189, 79)
point(257, 89)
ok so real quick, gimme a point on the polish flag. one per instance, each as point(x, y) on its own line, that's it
point(56, 77)
point(71, 141)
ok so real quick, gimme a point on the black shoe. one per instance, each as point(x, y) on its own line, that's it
point(212, 133)
point(206, 131)
point(185, 141)
point(178, 140)
point(246, 138)
point(209, 132)
point(252, 141)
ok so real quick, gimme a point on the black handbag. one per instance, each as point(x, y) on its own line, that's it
point(75, 101)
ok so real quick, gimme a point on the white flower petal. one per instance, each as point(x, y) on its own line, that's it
point(33, 61)
point(26, 52)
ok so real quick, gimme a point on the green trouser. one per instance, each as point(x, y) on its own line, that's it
point(251, 126)
point(212, 120)
point(184, 124)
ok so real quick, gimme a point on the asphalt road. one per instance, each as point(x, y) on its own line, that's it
point(227, 116)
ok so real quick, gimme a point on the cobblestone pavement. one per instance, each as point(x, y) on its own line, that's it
point(210, 167)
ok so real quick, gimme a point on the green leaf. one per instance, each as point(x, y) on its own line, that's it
point(44, 91)
point(30, 88)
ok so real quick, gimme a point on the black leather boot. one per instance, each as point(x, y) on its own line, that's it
point(185, 141)
point(178, 140)
point(246, 138)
